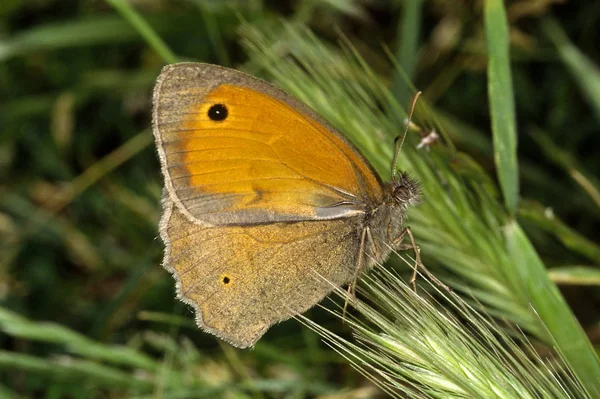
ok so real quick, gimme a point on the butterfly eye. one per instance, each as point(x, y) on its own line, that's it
point(218, 112)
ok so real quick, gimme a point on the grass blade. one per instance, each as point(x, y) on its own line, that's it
point(583, 70)
point(575, 275)
point(570, 165)
point(408, 42)
point(566, 333)
point(145, 30)
point(569, 237)
point(501, 99)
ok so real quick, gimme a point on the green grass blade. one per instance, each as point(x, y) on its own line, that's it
point(17, 326)
point(406, 54)
point(145, 30)
point(73, 370)
point(569, 237)
point(575, 275)
point(583, 70)
point(90, 31)
point(564, 330)
point(81, 32)
point(570, 165)
point(214, 35)
point(501, 99)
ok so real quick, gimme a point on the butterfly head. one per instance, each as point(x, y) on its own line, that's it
point(386, 221)
point(405, 191)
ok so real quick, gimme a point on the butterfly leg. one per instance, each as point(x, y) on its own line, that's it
point(359, 267)
point(418, 264)
point(405, 247)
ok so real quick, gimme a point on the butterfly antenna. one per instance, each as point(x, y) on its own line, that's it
point(400, 139)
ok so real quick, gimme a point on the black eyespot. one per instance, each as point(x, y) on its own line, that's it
point(218, 112)
point(226, 280)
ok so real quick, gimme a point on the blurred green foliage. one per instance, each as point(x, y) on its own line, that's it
point(80, 182)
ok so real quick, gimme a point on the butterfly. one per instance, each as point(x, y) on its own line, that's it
point(266, 206)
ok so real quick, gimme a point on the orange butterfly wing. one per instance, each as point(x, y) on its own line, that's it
point(237, 150)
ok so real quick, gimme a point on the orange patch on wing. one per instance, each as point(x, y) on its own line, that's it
point(266, 156)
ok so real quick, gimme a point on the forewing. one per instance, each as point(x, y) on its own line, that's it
point(271, 159)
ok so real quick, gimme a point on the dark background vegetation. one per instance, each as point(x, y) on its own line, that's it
point(80, 182)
